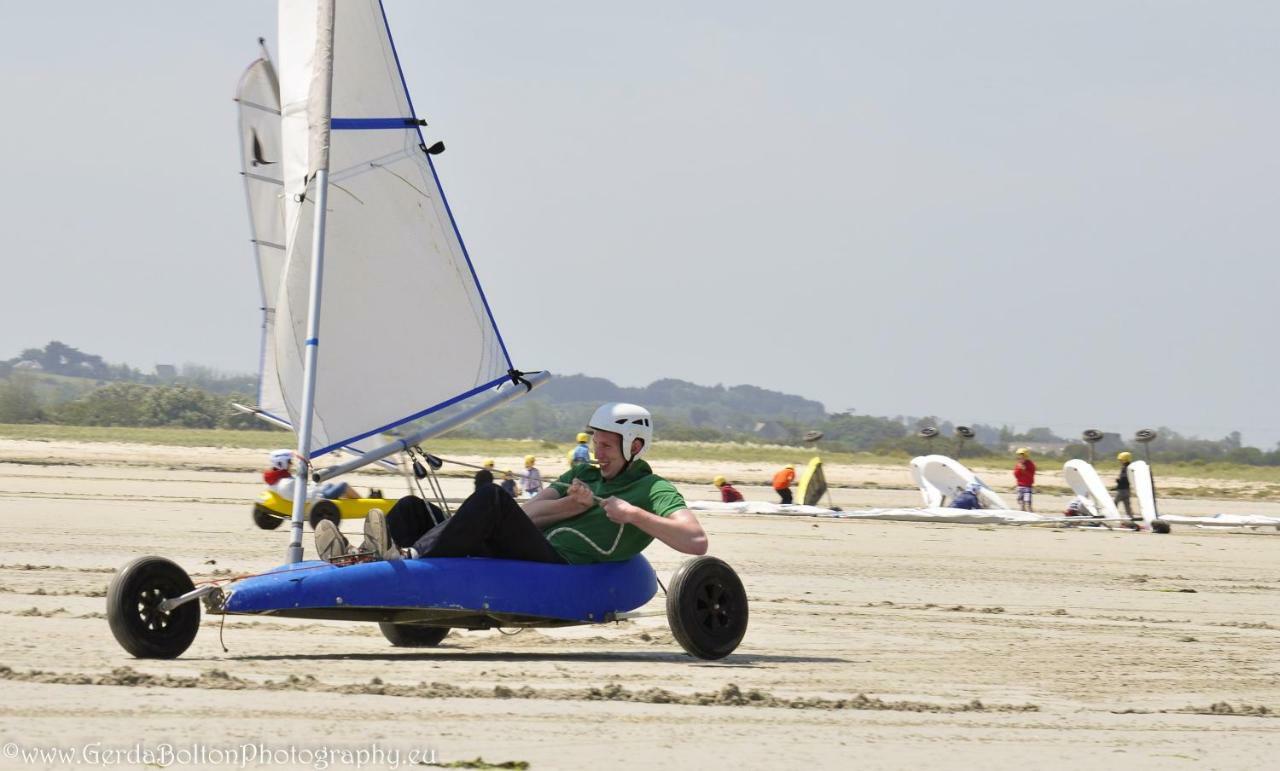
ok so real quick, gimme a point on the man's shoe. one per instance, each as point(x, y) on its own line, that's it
point(377, 538)
point(330, 542)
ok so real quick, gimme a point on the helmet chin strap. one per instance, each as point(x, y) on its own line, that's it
point(626, 464)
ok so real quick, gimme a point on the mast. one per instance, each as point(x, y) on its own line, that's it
point(318, 113)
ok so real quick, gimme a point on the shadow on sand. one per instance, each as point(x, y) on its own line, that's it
point(741, 660)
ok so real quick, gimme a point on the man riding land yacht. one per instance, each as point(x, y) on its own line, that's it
point(603, 513)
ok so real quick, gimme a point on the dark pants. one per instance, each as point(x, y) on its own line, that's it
point(1122, 496)
point(784, 494)
point(488, 524)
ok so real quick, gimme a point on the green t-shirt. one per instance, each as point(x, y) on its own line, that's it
point(592, 536)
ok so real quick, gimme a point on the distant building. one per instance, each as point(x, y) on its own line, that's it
point(28, 364)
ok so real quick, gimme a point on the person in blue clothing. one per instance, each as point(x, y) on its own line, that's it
point(968, 498)
point(581, 453)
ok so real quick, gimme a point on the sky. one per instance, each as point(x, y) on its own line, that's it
point(1017, 213)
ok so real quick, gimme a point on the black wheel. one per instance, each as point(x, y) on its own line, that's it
point(413, 635)
point(325, 510)
point(1161, 527)
point(133, 609)
point(266, 518)
point(707, 608)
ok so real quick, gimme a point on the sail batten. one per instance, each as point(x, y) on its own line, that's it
point(258, 97)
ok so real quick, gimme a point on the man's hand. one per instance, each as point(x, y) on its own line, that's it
point(618, 510)
point(581, 495)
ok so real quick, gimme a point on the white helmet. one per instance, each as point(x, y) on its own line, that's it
point(280, 459)
point(631, 421)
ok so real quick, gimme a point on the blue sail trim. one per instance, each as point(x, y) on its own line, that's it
point(421, 414)
point(372, 124)
point(448, 210)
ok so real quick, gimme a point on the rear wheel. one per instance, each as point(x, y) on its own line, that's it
point(322, 510)
point(133, 609)
point(1161, 527)
point(707, 608)
point(266, 518)
point(413, 635)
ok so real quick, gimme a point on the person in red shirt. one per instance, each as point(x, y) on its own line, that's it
point(727, 492)
point(279, 469)
point(782, 482)
point(279, 477)
point(1024, 473)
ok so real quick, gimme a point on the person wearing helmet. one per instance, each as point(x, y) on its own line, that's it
point(279, 477)
point(582, 453)
point(968, 497)
point(593, 513)
point(727, 492)
point(532, 484)
point(1024, 473)
point(782, 482)
point(1122, 483)
point(485, 475)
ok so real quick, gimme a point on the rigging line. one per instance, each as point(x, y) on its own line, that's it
point(402, 179)
point(505, 471)
point(269, 244)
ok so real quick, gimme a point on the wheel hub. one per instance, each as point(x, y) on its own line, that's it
point(149, 612)
point(713, 606)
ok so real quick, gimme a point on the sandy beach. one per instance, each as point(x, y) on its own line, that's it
point(871, 644)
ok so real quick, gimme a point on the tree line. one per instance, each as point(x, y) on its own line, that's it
point(198, 397)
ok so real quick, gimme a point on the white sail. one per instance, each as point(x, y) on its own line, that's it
point(405, 329)
point(258, 96)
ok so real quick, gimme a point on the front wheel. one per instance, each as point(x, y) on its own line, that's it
point(266, 518)
point(413, 635)
point(133, 609)
point(1161, 527)
point(707, 608)
point(325, 509)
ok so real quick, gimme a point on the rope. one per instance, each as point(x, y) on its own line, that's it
point(590, 542)
point(221, 626)
point(432, 481)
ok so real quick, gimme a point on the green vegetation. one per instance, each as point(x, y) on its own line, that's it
point(60, 387)
point(451, 446)
point(175, 436)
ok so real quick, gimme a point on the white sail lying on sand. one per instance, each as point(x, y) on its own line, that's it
point(1084, 481)
point(939, 478)
point(406, 330)
point(950, 477)
point(928, 514)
